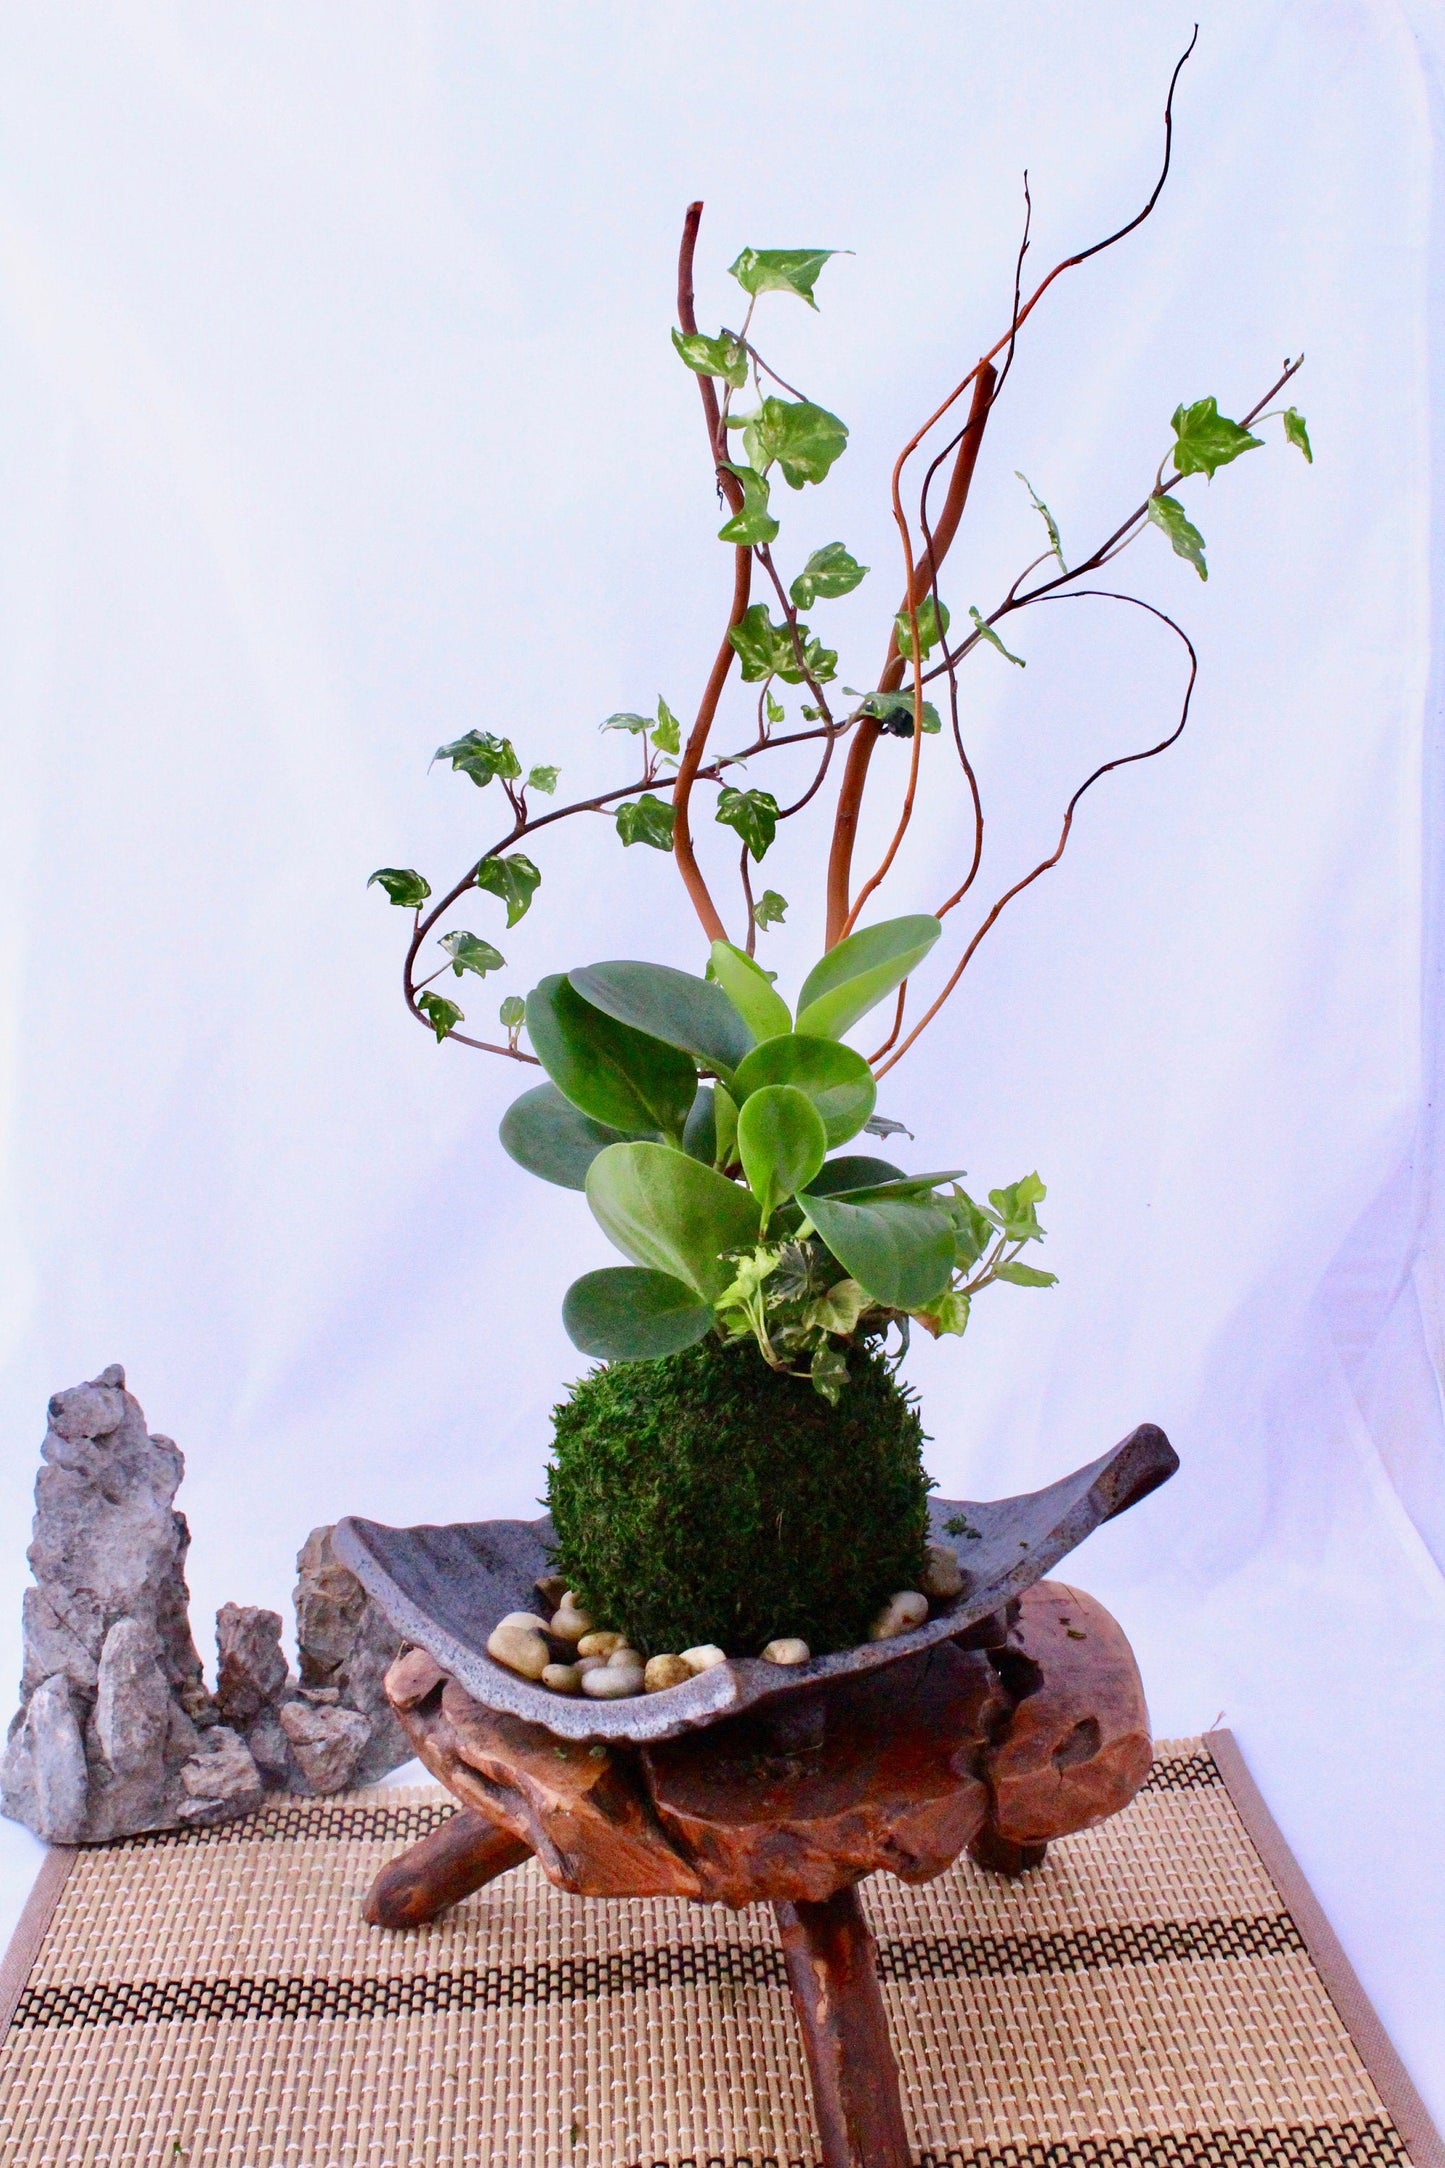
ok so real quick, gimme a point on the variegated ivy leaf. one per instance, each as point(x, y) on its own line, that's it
point(1205, 439)
point(469, 953)
point(403, 884)
point(481, 756)
point(781, 270)
point(515, 880)
point(1296, 432)
point(986, 632)
point(646, 820)
point(724, 356)
point(1184, 537)
point(441, 1014)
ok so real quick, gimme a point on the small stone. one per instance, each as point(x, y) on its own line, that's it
point(327, 1743)
point(704, 1656)
point(525, 1618)
point(788, 1649)
point(570, 1624)
point(624, 1656)
point(322, 1697)
point(250, 1668)
point(221, 1778)
point(521, 1645)
point(585, 1664)
point(553, 1589)
point(563, 1678)
point(413, 1676)
point(613, 1682)
point(660, 1672)
point(942, 1574)
point(901, 1613)
point(269, 1751)
point(600, 1644)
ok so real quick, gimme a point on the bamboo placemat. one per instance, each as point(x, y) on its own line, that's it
point(214, 2000)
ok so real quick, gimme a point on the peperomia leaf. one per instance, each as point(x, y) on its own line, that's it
point(781, 270)
point(837, 1080)
point(805, 440)
point(766, 650)
point(1184, 538)
point(829, 572)
point(671, 1213)
point(647, 819)
point(770, 909)
point(441, 1014)
point(724, 356)
point(932, 627)
point(781, 1142)
point(481, 756)
point(901, 1253)
point(985, 631)
point(515, 879)
point(553, 1139)
point(1205, 439)
point(543, 779)
point(673, 1006)
point(619, 1076)
point(403, 884)
point(861, 971)
point(852, 1170)
point(751, 814)
point(750, 991)
point(625, 1315)
point(469, 953)
point(754, 525)
point(1296, 432)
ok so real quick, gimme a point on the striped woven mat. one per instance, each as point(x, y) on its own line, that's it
point(1153, 1994)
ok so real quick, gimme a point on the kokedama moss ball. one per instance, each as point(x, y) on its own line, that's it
point(706, 1497)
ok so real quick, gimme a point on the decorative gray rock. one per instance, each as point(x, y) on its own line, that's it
point(251, 1672)
point(221, 1779)
point(346, 1642)
point(112, 1693)
point(327, 1743)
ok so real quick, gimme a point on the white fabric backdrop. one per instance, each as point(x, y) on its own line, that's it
point(339, 416)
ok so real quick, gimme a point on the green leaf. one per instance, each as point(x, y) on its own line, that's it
point(543, 779)
point(636, 725)
point(932, 626)
point(625, 1315)
point(1015, 1208)
point(893, 712)
point(1296, 432)
point(553, 1139)
point(837, 1080)
point(671, 1213)
point(912, 1188)
point(1051, 523)
point(949, 1314)
point(625, 1078)
point(1024, 1275)
point(776, 712)
point(440, 1013)
point(852, 1170)
point(402, 885)
point(751, 814)
point(1205, 439)
point(750, 991)
point(481, 756)
point(669, 1005)
point(829, 572)
point(781, 1142)
point(724, 356)
point(986, 632)
point(770, 909)
point(766, 650)
point(972, 1230)
point(513, 1013)
point(468, 953)
point(901, 1253)
point(1185, 539)
point(804, 439)
point(862, 971)
point(515, 879)
point(781, 270)
point(754, 525)
point(667, 737)
point(647, 819)
point(699, 1134)
point(839, 1309)
point(829, 1373)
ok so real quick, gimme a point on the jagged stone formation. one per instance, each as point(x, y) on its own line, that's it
point(116, 1732)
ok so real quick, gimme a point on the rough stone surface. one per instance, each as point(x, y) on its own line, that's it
point(251, 1672)
point(221, 1779)
point(327, 1744)
point(345, 1641)
point(112, 1691)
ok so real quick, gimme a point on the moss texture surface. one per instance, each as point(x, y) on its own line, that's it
point(707, 1498)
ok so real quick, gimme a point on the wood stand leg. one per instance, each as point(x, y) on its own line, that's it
point(445, 1867)
point(828, 1950)
point(1002, 1855)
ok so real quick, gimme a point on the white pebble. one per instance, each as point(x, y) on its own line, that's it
point(524, 1618)
point(569, 1624)
point(584, 1664)
point(624, 1657)
point(942, 1574)
point(600, 1643)
point(787, 1650)
point(613, 1682)
point(563, 1678)
point(704, 1656)
point(522, 1648)
point(663, 1672)
point(901, 1613)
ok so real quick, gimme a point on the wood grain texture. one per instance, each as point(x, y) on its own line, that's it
point(832, 1974)
point(466, 1852)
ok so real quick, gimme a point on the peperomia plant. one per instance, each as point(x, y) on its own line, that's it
point(703, 1115)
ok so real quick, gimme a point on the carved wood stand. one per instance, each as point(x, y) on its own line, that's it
point(997, 1749)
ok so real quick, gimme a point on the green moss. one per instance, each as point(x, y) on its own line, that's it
point(708, 1498)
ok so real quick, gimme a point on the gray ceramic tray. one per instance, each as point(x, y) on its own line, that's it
point(445, 1589)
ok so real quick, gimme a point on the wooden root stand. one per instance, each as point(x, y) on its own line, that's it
point(1028, 1727)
